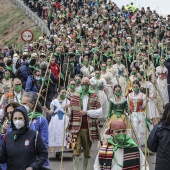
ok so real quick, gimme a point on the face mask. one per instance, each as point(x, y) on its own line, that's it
point(72, 87)
point(48, 46)
point(120, 138)
point(86, 52)
point(27, 108)
point(38, 78)
point(85, 63)
point(118, 94)
point(109, 63)
point(138, 79)
point(118, 61)
point(97, 75)
point(77, 82)
point(62, 96)
point(85, 87)
point(19, 123)
point(133, 73)
point(136, 90)
point(68, 32)
point(6, 76)
point(18, 88)
point(103, 68)
point(161, 63)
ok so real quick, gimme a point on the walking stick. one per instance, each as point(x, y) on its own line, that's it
point(10, 90)
point(47, 90)
point(40, 92)
point(64, 130)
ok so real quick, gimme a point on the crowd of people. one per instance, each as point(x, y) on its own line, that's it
point(101, 63)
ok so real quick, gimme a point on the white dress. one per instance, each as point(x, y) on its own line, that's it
point(138, 114)
point(56, 126)
point(120, 72)
point(152, 108)
point(108, 77)
point(161, 74)
point(99, 86)
point(86, 71)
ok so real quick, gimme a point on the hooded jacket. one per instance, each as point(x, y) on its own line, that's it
point(23, 148)
point(159, 142)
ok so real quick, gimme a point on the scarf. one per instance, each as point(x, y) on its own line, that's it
point(129, 143)
point(36, 115)
point(9, 68)
point(82, 94)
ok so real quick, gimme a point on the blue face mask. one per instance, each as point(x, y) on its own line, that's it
point(38, 78)
point(29, 61)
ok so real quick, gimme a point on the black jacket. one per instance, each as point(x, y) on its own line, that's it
point(23, 152)
point(159, 142)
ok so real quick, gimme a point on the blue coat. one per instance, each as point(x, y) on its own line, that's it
point(41, 125)
point(159, 142)
point(31, 85)
point(24, 71)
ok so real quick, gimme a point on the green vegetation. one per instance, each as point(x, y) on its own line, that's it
point(11, 27)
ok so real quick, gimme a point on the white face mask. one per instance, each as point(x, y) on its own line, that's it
point(19, 123)
point(27, 108)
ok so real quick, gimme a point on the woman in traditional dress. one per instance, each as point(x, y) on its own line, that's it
point(120, 73)
point(87, 69)
point(117, 108)
point(109, 80)
point(56, 126)
point(147, 86)
point(137, 101)
point(161, 74)
point(99, 85)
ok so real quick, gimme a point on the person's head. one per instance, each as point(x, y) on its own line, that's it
point(53, 61)
point(85, 62)
point(2, 66)
point(72, 85)
point(140, 76)
point(28, 101)
point(103, 67)
point(117, 90)
point(85, 82)
point(37, 75)
point(10, 108)
point(109, 62)
point(7, 74)
point(62, 94)
point(118, 59)
point(97, 73)
point(77, 80)
point(25, 58)
point(166, 115)
point(135, 70)
point(162, 61)
point(9, 63)
point(117, 130)
point(43, 65)
point(42, 57)
point(19, 119)
point(17, 84)
point(33, 62)
point(136, 86)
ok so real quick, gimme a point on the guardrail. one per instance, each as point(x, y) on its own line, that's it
point(33, 16)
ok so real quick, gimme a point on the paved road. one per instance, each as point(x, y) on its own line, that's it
point(67, 162)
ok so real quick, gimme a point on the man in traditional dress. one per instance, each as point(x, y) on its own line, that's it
point(121, 152)
point(83, 124)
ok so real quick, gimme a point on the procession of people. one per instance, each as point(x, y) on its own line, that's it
point(102, 75)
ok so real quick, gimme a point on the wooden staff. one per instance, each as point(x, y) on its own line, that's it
point(64, 130)
point(47, 90)
point(66, 73)
point(39, 94)
point(10, 90)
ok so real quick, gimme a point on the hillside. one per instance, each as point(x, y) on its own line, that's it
point(12, 22)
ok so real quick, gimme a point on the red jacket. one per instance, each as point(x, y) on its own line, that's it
point(55, 69)
point(57, 5)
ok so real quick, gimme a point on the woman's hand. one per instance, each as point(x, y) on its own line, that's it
point(4, 127)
